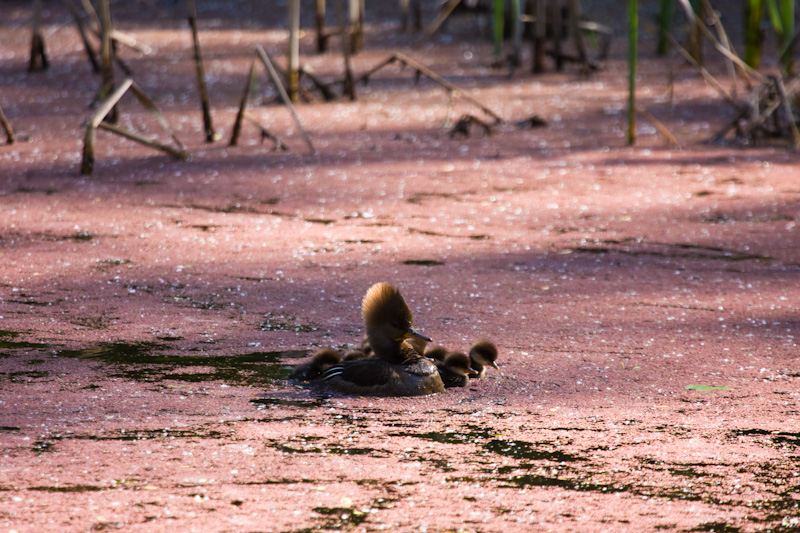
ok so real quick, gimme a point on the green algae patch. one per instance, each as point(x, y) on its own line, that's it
point(146, 362)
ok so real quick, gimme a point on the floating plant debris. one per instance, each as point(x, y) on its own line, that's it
point(706, 387)
point(423, 262)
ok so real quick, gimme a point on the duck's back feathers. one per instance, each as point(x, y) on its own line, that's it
point(361, 373)
point(376, 377)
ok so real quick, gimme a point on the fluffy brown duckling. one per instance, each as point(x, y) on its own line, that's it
point(419, 344)
point(437, 353)
point(321, 361)
point(455, 370)
point(365, 347)
point(482, 354)
point(395, 368)
point(355, 355)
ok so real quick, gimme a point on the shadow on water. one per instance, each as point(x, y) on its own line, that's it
point(146, 362)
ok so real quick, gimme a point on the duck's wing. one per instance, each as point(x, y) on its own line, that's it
point(364, 373)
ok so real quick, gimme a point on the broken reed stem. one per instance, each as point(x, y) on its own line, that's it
point(580, 45)
point(703, 72)
point(87, 165)
point(365, 77)
point(319, 19)
point(237, 125)
point(38, 60)
point(96, 121)
point(660, 126)
point(262, 54)
point(151, 107)
point(345, 30)
point(106, 68)
point(89, 8)
point(208, 124)
point(725, 43)
point(293, 55)
point(787, 107)
point(10, 138)
point(106, 106)
point(327, 94)
point(744, 68)
point(266, 134)
point(177, 154)
point(433, 27)
point(425, 71)
point(87, 46)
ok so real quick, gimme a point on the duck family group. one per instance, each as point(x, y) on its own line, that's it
point(393, 359)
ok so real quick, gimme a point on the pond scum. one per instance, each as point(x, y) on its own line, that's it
point(560, 462)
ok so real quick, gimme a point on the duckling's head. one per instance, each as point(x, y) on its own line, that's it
point(459, 363)
point(387, 317)
point(437, 353)
point(484, 353)
point(418, 344)
point(326, 358)
point(355, 355)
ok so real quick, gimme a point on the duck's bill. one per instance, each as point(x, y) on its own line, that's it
point(413, 334)
point(494, 365)
point(472, 372)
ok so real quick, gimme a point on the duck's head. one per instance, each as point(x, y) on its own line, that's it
point(387, 317)
point(459, 363)
point(484, 352)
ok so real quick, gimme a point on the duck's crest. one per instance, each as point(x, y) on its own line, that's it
point(384, 304)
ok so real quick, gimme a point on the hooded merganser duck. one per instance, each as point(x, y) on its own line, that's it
point(377, 377)
point(321, 361)
point(482, 354)
point(389, 323)
point(394, 368)
point(455, 370)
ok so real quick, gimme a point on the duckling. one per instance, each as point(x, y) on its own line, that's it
point(482, 354)
point(321, 361)
point(455, 370)
point(437, 353)
point(365, 347)
point(355, 354)
point(395, 368)
point(418, 344)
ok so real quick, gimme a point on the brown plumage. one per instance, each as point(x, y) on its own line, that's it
point(455, 369)
point(437, 353)
point(376, 377)
point(482, 354)
point(389, 322)
point(355, 355)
